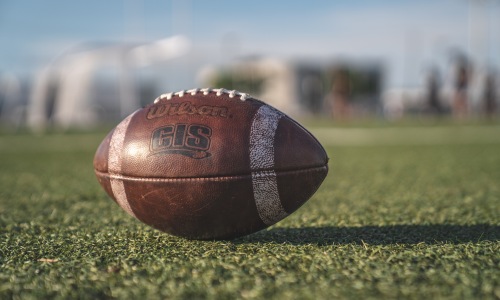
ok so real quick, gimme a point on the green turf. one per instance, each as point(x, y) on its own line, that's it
point(411, 212)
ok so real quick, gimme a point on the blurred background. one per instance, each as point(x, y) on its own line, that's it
point(83, 64)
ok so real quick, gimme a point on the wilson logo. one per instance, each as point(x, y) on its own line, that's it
point(186, 108)
point(188, 140)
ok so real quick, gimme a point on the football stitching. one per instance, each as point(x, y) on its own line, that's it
point(205, 91)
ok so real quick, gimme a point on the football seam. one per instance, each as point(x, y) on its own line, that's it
point(263, 173)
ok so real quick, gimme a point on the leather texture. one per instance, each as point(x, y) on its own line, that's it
point(185, 165)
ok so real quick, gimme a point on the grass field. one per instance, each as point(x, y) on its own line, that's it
point(406, 212)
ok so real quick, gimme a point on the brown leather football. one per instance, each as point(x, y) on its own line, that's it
point(210, 164)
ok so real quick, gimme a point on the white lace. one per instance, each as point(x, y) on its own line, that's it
point(205, 91)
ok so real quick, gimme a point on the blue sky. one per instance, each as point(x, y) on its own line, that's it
point(406, 35)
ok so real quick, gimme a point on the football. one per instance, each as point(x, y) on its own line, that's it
point(210, 164)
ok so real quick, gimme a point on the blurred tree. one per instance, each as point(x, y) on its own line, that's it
point(233, 81)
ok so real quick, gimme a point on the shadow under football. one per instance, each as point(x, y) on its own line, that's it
point(378, 235)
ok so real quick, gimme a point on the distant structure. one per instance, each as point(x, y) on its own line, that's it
point(96, 85)
point(302, 88)
point(354, 89)
point(13, 100)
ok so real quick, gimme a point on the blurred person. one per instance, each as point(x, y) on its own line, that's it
point(433, 86)
point(460, 100)
point(490, 95)
point(339, 95)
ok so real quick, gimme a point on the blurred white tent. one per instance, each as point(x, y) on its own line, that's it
point(63, 92)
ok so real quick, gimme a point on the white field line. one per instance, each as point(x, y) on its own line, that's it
point(407, 136)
